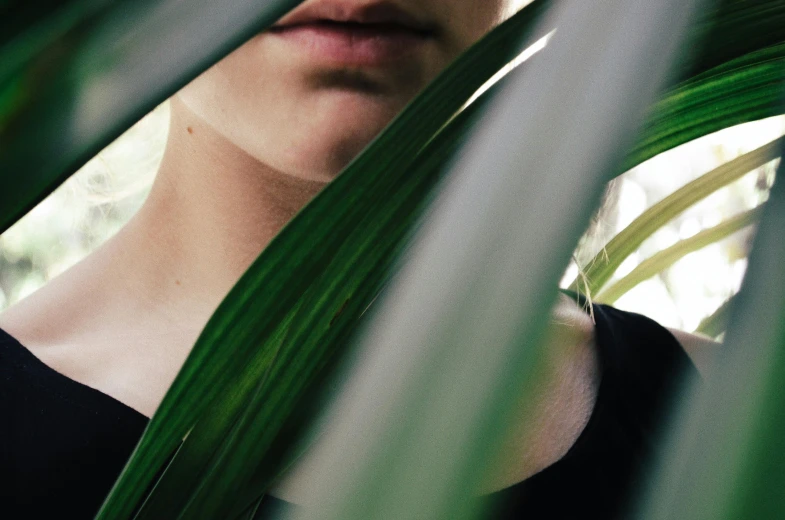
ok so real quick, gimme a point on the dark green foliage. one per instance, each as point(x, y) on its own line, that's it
point(72, 79)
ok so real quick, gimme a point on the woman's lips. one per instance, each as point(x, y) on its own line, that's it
point(354, 44)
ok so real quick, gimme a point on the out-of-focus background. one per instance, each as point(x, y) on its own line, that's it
point(86, 210)
point(695, 286)
point(96, 202)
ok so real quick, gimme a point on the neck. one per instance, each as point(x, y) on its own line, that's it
point(211, 211)
point(124, 319)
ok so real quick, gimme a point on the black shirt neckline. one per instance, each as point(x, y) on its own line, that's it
point(85, 396)
point(68, 389)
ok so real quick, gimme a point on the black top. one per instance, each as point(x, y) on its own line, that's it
point(62, 444)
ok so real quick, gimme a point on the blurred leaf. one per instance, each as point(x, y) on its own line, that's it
point(214, 459)
point(726, 458)
point(32, 29)
point(460, 335)
point(605, 263)
point(729, 29)
point(89, 69)
point(137, 54)
point(221, 473)
point(667, 257)
point(237, 348)
point(716, 324)
point(743, 90)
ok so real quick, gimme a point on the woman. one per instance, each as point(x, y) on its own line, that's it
point(87, 359)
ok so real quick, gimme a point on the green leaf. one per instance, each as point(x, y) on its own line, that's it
point(91, 68)
point(246, 331)
point(318, 330)
point(667, 257)
point(461, 333)
point(729, 29)
point(745, 89)
point(264, 318)
point(605, 263)
point(726, 456)
point(716, 324)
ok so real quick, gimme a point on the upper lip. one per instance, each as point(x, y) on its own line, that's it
point(343, 11)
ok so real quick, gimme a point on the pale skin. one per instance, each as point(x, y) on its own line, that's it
point(251, 142)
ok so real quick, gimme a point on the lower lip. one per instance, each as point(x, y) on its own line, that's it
point(352, 45)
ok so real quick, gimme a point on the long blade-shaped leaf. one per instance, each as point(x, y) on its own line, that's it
point(743, 90)
point(89, 46)
point(715, 324)
point(229, 417)
point(223, 476)
point(245, 325)
point(187, 468)
point(459, 336)
point(91, 69)
point(727, 459)
point(58, 156)
point(335, 301)
point(667, 257)
point(730, 29)
point(605, 263)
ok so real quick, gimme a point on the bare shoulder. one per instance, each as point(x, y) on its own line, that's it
point(89, 331)
point(554, 414)
point(568, 312)
point(38, 320)
point(701, 349)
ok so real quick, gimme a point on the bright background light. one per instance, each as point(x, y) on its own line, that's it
point(695, 286)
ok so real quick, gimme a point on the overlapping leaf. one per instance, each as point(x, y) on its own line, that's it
point(83, 71)
point(248, 328)
point(221, 469)
point(727, 459)
point(667, 257)
point(462, 335)
point(605, 263)
point(257, 349)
